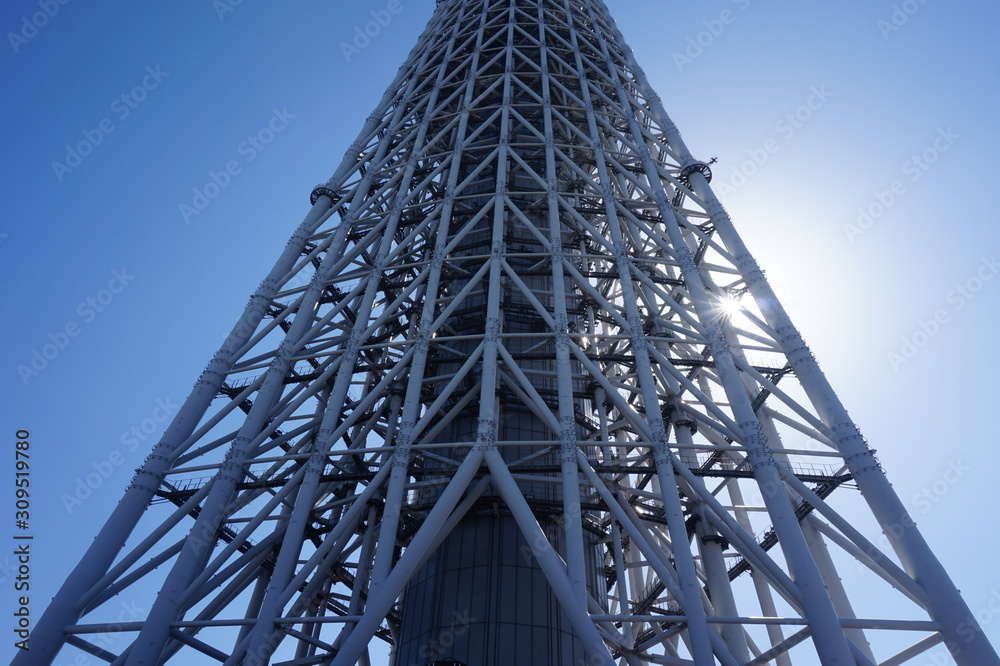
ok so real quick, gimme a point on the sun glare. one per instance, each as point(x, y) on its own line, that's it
point(729, 305)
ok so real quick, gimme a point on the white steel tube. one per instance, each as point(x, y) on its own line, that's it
point(964, 637)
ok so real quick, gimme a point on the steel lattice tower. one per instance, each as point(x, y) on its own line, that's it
point(515, 392)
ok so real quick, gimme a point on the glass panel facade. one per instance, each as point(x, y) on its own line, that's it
point(496, 611)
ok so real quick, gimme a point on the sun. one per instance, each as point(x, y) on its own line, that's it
point(729, 304)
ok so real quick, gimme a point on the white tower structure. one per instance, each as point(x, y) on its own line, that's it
point(515, 392)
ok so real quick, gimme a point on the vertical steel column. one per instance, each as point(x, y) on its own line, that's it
point(697, 627)
point(831, 644)
point(378, 605)
point(400, 458)
point(572, 513)
point(838, 595)
point(64, 610)
point(963, 636)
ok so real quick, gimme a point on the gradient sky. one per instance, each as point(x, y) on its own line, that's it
point(815, 110)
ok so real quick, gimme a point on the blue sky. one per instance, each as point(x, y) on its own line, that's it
point(855, 143)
